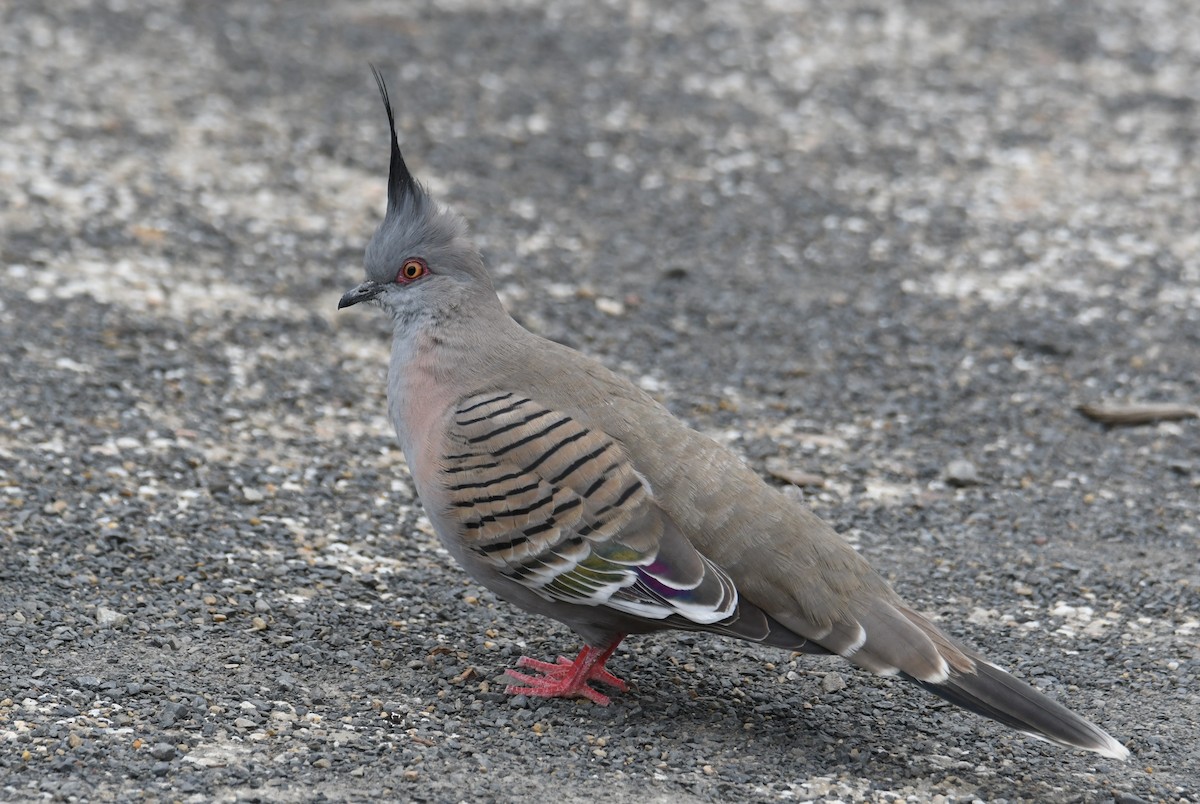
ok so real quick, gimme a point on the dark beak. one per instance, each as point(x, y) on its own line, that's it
point(367, 290)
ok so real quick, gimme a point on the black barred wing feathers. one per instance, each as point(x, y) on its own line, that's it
point(557, 507)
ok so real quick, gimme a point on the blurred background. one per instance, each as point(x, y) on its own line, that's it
point(882, 249)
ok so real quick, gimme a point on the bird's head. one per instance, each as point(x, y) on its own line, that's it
point(421, 258)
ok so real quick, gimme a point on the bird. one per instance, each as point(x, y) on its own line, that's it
point(571, 493)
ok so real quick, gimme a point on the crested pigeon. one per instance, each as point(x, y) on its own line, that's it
point(570, 492)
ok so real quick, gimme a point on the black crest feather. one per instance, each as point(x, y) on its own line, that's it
point(401, 184)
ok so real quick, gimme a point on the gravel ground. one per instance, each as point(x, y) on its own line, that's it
point(889, 245)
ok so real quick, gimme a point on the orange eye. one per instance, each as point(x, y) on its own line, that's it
point(410, 270)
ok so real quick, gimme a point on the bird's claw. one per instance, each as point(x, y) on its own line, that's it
point(562, 679)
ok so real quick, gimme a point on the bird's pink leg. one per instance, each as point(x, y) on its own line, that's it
point(566, 678)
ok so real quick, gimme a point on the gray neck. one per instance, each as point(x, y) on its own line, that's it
point(469, 332)
point(443, 353)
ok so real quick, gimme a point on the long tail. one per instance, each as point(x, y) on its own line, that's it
point(979, 686)
point(894, 639)
point(992, 692)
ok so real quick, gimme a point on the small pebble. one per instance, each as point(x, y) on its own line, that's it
point(108, 618)
point(162, 751)
point(961, 473)
point(832, 682)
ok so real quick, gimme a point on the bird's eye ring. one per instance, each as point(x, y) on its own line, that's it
point(411, 270)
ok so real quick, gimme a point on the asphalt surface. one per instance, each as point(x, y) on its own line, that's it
point(891, 245)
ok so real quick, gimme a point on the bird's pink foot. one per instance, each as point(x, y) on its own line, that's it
point(566, 678)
